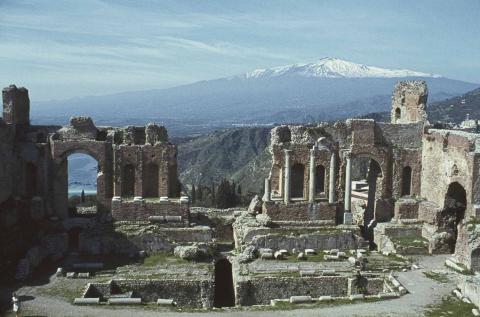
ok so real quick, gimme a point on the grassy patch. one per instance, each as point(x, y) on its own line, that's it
point(436, 276)
point(67, 291)
point(410, 241)
point(162, 258)
point(450, 306)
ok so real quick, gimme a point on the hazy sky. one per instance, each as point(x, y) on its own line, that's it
point(60, 49)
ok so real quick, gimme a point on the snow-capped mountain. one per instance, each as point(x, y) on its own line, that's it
point(327, 90)
point(329, 67)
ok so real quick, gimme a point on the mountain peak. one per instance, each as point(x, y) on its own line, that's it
point(330, 67)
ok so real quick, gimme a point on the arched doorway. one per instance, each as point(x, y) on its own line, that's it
point(150, 179)
point(31, 186)
point(398, 114)
point(453, 211)
point(406, 181)
point(297, 180)
point(128, 181)
point(74, 238)
point(475, 260)
point(365, 174)
point(82, 172)
point(224, 292)
point(320, 179)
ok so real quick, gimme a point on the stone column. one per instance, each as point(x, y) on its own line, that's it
point(117, 173)
point(266, 196)
point(139, 175)
point(286, 189)
point(311, 187)
point(348, 190)
point(332, 180)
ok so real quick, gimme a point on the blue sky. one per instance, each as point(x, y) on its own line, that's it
point(62, 49)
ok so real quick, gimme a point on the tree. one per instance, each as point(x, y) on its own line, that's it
point(200, 193)
point(213, 191)
point(222, 196)
point(82, 196)
point(226, 196)
point(194, 194)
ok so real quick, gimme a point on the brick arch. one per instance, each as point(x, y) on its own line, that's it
point(383, 159)
point(101, 152)
point(383, 205)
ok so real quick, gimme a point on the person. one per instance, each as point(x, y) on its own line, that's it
point(16, 304)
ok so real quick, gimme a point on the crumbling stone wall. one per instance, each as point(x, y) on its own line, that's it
point(33, 171)
point(409, 102)
point(260, 290)
point(450, 156)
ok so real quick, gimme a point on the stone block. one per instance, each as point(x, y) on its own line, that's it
point(301, 256)
point(356, 297)
point(86, 301)
point(59, 272)
point(165, 302)
point(300, 299)
point(125, 301)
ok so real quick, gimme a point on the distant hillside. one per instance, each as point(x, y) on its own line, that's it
point(456, 109)
point(330, 89)
point(233, 154)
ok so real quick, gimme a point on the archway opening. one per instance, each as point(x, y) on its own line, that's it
point(150, 180)
point(83, 171)
point(297, 180)
point(74, 238)
point(366, 175)
point(475, 260)
point(398, 114)
point(406, 181)
point(453, 211)
point(320, 179)
point(31, 186)
point(224, 292)
point(128, 181)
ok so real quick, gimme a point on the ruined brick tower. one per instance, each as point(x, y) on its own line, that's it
point(16, 105)
point(409, 102)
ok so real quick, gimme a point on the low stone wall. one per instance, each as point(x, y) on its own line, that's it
point(300, 211)
point(260, 290)
point(320, 240)
point(186, 293)
point(406, 209)
point(470, 288)
point(128, 238)
point(134, 210)
point(52, 245)
point(429, 212)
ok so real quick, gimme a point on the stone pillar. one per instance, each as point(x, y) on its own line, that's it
point(117, 172)
point(311, 187)
point(332, 180)
point(139, 174)
point(266, 196)
point(286, 189)
point(348, 190)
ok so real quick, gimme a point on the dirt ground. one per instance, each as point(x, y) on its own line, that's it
point(423, 291)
